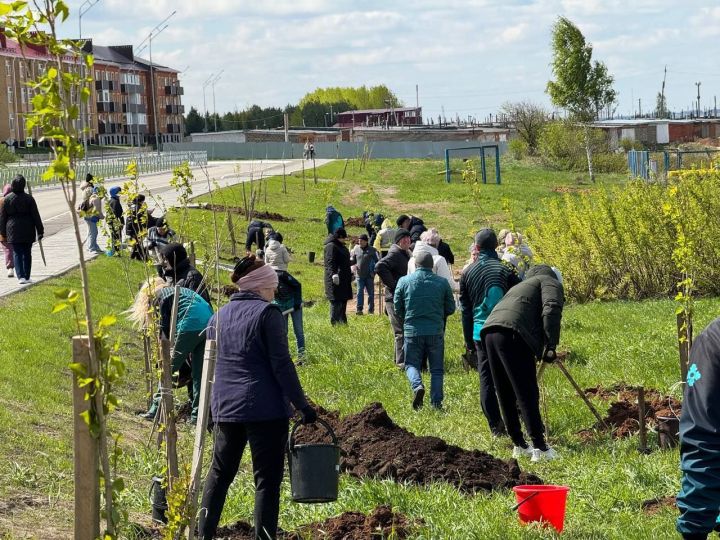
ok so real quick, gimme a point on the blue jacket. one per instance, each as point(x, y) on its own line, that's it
point(255, 380)
point(423, 301)
point(699, 498)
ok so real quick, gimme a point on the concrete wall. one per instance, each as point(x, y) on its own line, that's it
point(337, 150)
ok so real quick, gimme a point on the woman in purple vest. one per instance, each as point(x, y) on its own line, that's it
point(255, 383)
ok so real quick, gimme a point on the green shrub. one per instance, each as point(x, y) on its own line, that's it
point(618, 243)
point(609, 162)
point(630, 144)
point(562, 147)
point(6, 156)
point(518, 148)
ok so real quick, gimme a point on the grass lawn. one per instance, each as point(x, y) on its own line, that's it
point(351, 367)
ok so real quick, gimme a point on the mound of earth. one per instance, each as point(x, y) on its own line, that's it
point(372, 445)
point(355, 222)
point(380, 523)
point(271, 216)
point(653, 506)
point(620, 392)
point(623, 416)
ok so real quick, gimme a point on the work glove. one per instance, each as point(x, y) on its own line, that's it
point(336, 279)
point(309, 416)
point(549, 355)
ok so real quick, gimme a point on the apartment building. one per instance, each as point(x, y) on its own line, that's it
point(125, 94)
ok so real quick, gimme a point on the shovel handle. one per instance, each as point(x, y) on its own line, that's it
point(323, 423)
point(526, 499)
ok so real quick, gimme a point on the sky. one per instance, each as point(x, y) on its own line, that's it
point(467, 57)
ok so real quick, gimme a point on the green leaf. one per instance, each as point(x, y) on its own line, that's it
point(118, 484)
point(52, 73)
point(57, 308)
point(107, 320)
point(78, 369)
point(62, 294)
point(5, 9)
point(85, 415)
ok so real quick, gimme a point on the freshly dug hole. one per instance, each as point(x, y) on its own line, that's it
point(653, 506)
point(372, 445)
point(380, 523)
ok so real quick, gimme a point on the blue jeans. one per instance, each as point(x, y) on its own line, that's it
point(22, 257)
point(432, 347)
point(297, 320)
point(92, 235)
point(367, 284)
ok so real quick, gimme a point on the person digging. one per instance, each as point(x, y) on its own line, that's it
point(422, 302)
point(523, 326)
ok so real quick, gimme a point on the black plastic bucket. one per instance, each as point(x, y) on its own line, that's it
point(158, 500)
point(314, 469)
point(668, 431)
point(311, 257)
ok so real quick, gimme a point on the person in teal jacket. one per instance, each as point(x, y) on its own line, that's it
point(194, 313)
point(423, 301)
point(699, 498)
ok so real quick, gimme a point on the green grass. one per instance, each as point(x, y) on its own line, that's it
point(349, 368)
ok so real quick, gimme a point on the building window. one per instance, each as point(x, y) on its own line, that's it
point(23, 96)
point(12, 122)
point(8, 69)
point(21, 68)
point(10, 94)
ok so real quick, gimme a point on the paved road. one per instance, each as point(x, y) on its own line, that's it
point(59, 243)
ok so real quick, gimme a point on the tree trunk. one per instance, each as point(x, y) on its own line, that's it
point(588, 151)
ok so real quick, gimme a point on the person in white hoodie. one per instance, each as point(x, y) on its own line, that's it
point(276, 254)
point(429, 240)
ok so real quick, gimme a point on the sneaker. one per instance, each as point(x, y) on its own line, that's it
point(358, 313)
point(11, 272)
point(22, 281)
point(519, 451)
point(28, 280)
point(543, 455)
point(418, 396)
point(400, 366)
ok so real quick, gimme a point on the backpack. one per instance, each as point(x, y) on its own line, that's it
point(84, 206)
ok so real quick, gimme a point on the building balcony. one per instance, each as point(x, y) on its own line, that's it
point(134, 108)
point(109, 129)
point(131, 88)
point(105, 85)
point(174, 90)
point(173, 128)
point(174, 109)
point(107, 106)
point(134, 129)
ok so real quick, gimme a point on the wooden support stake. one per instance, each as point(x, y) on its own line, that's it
point(192, 256)
point(303, 173)
point(231, 231)
point(149, 379)
point(684, 331)
point(86, 452)
point(208, 375)
point(345, 169)
point(284, 180)
point(314, 172)
point(643, 428)
point(168, 407)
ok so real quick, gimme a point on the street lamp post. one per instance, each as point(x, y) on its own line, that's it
point(216, 79)
point(154, 33)
point(84, 8)
point(205, 85)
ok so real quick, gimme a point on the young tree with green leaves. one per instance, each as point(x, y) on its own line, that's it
point(529, 119)
point(582, 87)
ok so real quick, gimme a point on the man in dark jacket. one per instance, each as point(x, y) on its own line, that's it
point(256, 234)
point(20, 226)
point(445, 251)
point(482, 285)
point(115, 219)
point(338, 277)
point(364, 257)
point(699, 498)
point(525, 325)
point(391, 268)
point(178, 271)
point(413, 224)
point(423, 301)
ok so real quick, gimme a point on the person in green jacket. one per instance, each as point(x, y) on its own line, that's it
point(423, 301)
point(523, 326)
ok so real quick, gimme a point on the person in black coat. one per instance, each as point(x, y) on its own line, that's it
point(178, 270)
point(445, 251)
point(136, 226)
point(255, 234)
point(391, 268)
point(338, 276)
point(20, 226)
point(115, 219)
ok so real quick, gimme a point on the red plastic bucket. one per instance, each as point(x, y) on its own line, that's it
point(544, 503)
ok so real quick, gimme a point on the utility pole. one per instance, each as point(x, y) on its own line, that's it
point(216, 79)
point(698, 97)
point(640, 107)
point(662, 95)
point(205, 85)
point(417, 97)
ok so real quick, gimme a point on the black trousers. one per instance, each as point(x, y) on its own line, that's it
point(338, 313)
point(513, 368)
point(267, 447)
point(488, 396)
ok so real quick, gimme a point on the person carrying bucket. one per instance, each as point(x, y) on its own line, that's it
point(699, 498)
point(523, 326)
point(255, 383)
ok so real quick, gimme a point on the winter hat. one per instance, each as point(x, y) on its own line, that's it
point(401, 219)
point(174, 254)
point(364, 237)
point(423, 259)
point(251, 274)
point(486, 239)
point(18, 184)
point(89, 178)
point(114, 191)
point(402, 233)
point(161, 222)
point(340, 233)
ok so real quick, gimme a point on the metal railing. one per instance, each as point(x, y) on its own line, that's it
point(107, 168)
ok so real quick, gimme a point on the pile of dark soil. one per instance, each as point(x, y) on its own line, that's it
point(380, 523)
point(653, 506)
point(271, 216)
point(623, 414)
point(372, 445)
point(355, 222)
